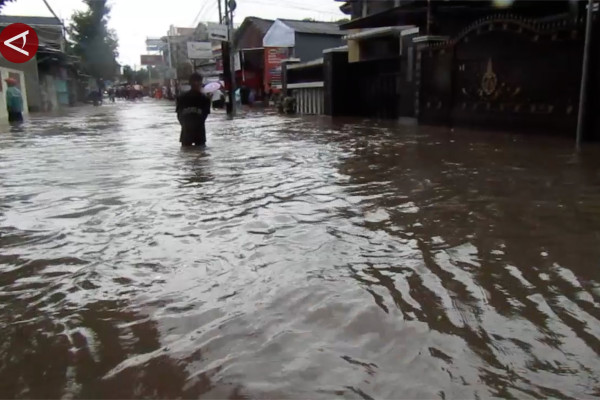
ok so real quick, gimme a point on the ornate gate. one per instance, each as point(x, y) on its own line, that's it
point(505, 73)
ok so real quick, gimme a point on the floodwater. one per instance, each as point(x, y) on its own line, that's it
point(294, 258)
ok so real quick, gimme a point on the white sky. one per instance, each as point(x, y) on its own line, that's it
point(134, 20)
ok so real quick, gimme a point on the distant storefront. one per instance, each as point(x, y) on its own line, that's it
point(274, 56)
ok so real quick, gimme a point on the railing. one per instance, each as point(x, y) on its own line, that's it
point(305, 83)
point(310, 97)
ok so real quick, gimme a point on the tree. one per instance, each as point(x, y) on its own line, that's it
point(93, 42)
point(128, 75)
point(141, 75)
point(3, 3)
point(309, 20)
point(342, 21)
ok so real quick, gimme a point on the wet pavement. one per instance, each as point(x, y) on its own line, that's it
point(294, 258)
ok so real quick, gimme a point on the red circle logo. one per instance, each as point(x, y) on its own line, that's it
point(18, 43)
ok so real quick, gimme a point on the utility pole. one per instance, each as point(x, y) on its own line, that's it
point(169, 90)
point(232, 6)
point(584, 75)
point(226, 55)
point(220, 12)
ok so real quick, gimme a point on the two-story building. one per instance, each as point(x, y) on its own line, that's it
point(470, 63)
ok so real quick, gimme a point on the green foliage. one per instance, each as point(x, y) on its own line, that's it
point(93, 42)
point(128, 75)
point(309, 20)
point(139, 76)
point(342, 21)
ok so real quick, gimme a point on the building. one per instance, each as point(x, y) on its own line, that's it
point(175, 52)
point(303, 40)
point(484, 64)
point(48, 81)
point(248, 44)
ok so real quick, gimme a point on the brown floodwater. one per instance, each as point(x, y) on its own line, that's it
point(294, 258)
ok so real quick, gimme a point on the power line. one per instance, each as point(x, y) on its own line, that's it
point(202, 9)
point(295, 7)
point(211, 9)
point(52, 12)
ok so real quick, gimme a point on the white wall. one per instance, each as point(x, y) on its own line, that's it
point(280, 35)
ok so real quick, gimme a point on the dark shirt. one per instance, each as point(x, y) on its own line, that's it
point(192, 110)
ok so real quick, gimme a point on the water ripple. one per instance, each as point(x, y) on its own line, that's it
point(294, 258)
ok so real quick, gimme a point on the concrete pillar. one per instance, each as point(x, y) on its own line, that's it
point(336, 78)
point(284, 73)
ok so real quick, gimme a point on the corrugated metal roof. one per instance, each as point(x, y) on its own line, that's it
point(240, 37)
point(33, 21)
point(314, 27)
point(262, 24)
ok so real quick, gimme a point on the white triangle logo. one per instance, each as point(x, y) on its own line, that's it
point(23, 35)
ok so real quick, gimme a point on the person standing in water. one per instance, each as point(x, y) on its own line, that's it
point(192, 110)
point(14, 102)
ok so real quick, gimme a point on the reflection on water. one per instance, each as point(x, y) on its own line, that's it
point(294, 258)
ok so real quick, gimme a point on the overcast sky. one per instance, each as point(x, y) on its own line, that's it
point(134, 20)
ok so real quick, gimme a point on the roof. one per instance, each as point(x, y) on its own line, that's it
point(313, 63)
point(414, 12)
point(262, 25)
point(314, 27)
point(33, 21)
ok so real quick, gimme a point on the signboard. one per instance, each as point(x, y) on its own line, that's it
point(151, 59)
point(218, 32)
point(154, 44)
point(199, 50)
point(273, 58)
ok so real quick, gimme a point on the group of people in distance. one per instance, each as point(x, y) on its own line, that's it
point(193, 108)
point(128, 92)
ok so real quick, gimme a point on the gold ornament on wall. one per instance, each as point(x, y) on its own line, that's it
point(489, 82)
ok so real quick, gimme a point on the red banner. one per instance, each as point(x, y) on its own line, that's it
point(273, 58)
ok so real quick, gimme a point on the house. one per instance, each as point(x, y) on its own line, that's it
point(304, 40)
point(37, 76)
point(248, 45)
point(484, 64)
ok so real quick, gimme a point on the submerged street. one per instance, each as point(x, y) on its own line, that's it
point(294, 258)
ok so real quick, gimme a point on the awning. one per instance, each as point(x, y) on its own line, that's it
point(341, 49)
point(379, 32)
point(313, 63)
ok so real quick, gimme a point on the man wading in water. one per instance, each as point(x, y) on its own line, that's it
point(192, 109)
